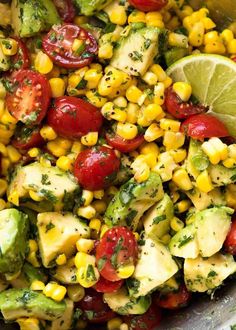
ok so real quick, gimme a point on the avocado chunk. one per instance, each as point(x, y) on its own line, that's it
point(205, 274)
point(28, 274)
point(121, 303)
point(157, 220)
point(202, 200)
point(16, 303)
point(13, 240)
point(65, 321)
point(175, 54)
point(58, 234)
point(154, 267)
point(221, 175)
point(132, 200)
point(135, 53)
point(30, 17)
point(88, 8)
point(197, 160)
point(205, 236)
point(66, 274)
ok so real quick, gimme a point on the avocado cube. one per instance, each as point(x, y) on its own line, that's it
point(88, 8)
point(65, 274)
point(202, 200)
point(28, 274)
point(65, 321)
point(221, 175)
point(13, 240)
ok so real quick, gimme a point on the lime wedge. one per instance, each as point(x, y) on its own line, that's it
point(213, 80)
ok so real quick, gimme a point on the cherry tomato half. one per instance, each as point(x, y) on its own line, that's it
point(124, 145)
point(179, 109)
point(96, 168)
point(72, 117)
point(148, 321)
point(65, 9)
point(203, 126)
point(175, 300)
point(106, 286)
point(29, 97)
point(21, 59)
point(27, 137)
point(58, 46)
point(117, 247)
point(95, 310)
point(230, 242)
point(148, 5)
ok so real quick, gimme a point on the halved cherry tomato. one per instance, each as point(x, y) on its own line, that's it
point(96, 168)
point(65, 9)
point(106, 286)
point(234, 59)
point(124, 145)
point(179, 109)
point(72, 117)
point(95, 310)
point(29, 97)
point(175, 300)
point(118, 247)
point(230, 242)
point(148, 5)
point(21, 59)
point(203, 126)
point(59, 41)
point(148, 321)
point(27, 137)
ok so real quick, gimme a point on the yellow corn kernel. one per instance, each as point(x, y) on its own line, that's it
point(150, 78)
point(5, 164)
point(208, 23)
point(186, 11)
point(166, 239)
point(99, 194)
point(153, 133)
point(88, 276)
point(177, 40)
point(100, 206)
point(159, 93)
point(153, 112)
point(45, 162)
point(142, 173)
point(87, 197)
point(143, 121)
point(57, 87)
point(9, 46)
point(78, 20)
point(64, 163)
point(231, 46)
point(136, 235)
point(3, 204)
point(167, 82)
point(28, 323)
point(211, 152)
point(82, 259)
point(211, 37)
point(85, 245)
point(183, 206)
point(78, 46)
point(3, 91)
point(76, 147)
point(49, 288)
point(127, 131)
point(132, 113)
point(176, 224)
point(37, 286)
point(13, 154)
point(32, 259)
point(231, 196)
point(120, 102)
point(73, 81)
point(114, 324)
point(94, 98)
point(188, 23)
point(178, 155)
point(35, 196)
point(182, 179)
point(159, 72)
point(109, 111)
point(3, 150)
point(216, 47)
point(125, 271)
point(95, 224)
point(118, 15)
point(227, 35)
point(170, 125)
point(7, 118)
point(204, 182)
point(48, 133)
point(14, 198)
point(90, 139)
point(87, 212)
point(75, 292)
point(174, 23)
point(133, 94)
point(55, 73)
point(105, 52)
point(173, 140)
point(104, 229)
point(150, 159)
point(34, 152)
point(63, 143)
point(150, 148)
point(55, 149)
point(229, 162)
point(196, 35)
point(58, 294)
point(92, 77)
point(43, 64)
point(220, 146)
point(137, 17)
point(3, 187)
point(61, 259)
point(183, 90)
point(33, 246)
point(71, 262)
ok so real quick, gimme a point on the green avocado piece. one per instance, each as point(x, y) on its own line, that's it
point(88, 8)
point(30, 17)
point(132, 200)
point(202, 200)
point(13, 243)
point(175, 54)
point(16, 303)
point(28, 274)
point(121, 303)
point(65, 274)
point(221, 175)
point(65, 321)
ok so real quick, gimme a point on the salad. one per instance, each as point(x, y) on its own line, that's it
point(118, 161)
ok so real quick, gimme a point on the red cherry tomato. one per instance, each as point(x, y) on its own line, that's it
point(65, 9)
point(203, 126)
point(106, 286)
point(148, 321)
point(21, 59)
point(96, 168)
point(124, 145)
point(175, 300)
point(95, 310)
point(179, 109)
point(58, 45)
point(230, 242)
point(148, 5)
point(234, 59)
point(29, 96)
point(117, 247)
point(72, 117)
point(27, 137)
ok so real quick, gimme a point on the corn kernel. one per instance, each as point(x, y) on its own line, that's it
point(58, 293)
point(137, 17)
point(100, 206)
point(34, 152)
point(211, 37)
point(231, 46)
point(5, 164)
point(105, 52)
point(204, 182)
point(61, 259)
point(33, 246)
point(166, 239)
point(153, 112)
point(55, 149)
point(87, 212)
point(132, 113)
point(154, 18)
point(78, 46)
point(183, 90)
point(178, 155)
point(196, 35)
point(76, 147)
point(177, 40)
point(170, 125)
point(95, 224)
point(183, 206)
point(88, 276)
point(227, 35)
point(14, 198)
point(48, 133)
point(176, 224)
point(99, 194)
point(229, 162)
point(118, 15)
point(3, 204)
point(93, 77)
point(231, 196)
point(150, 148)
point(127, 131)
point(3, 91)
point(133, 94)
point(9, 46)
point(173, 140)
point(3, 187)
point(208, 23)
point(85, 245)
point(153, 133)
point(182, 179)
point(78, 20)
point(167, 82)
point(142, 173)
point(57, 87)
point(64, 163)
point(43, 64)
point(159, 72)
point(216, 47)
point(104, 229)
point(125, 271)
point(28, 323)
point(114, 324)
point(90, 139)
point(75, 292)
point(35, 196)
point(94, 98)
point(32, 259)
point(37, 286)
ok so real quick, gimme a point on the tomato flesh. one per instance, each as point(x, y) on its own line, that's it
point(203, 126)
point(65, 9)
point(106, 286)
point(21, 59)
point(29, 96)
point(175, 300)
point(27, 137)
point(179, 109)
point(148, 5)
point(58, 46)
point(117, 247)
point(230, 242)
point(124, 145)
point(149, 321)
point(96, 168)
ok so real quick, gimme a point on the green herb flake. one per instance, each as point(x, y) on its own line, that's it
point(185, 240)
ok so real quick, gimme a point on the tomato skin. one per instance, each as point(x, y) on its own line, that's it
point(230, 241)
point(21, 59)
point(93, 303)
point(65, 9)
point(175, 300)
point(123, 145)
point(28, 137)
point(72, 117)
point(58, 46)
point(203, 126)
point(96, 168)
point(117, 247)
point(29, 97)
point(149, 321)
point(179, 109)
point(148, 5)
point(106, 286)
